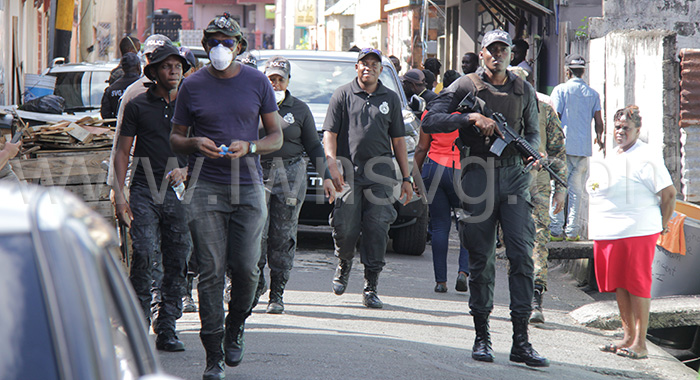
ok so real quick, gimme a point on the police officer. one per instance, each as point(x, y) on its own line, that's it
point(363, 123)
point(131, 66)
point(284, 173)
point(495, 189)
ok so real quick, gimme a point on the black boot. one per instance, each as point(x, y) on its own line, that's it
point(342, 275)
point(168, 341)
point(537, 316)
point(369, 297)
point(482, 350)
point(234, 342)
point(188, 305)
point(260, 290)
point(215, 356)
point(522, 351)
point(277, 284)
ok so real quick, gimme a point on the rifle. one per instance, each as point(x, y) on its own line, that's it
point(471, 103)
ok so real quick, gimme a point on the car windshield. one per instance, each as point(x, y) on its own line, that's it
point(314, 81)
point(24, 330)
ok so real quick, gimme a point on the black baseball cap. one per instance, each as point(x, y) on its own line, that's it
point(248, 59)
point(415, 76)
point(367, 51)
point(496, 35)
point(278, 65)
point(153, 41)
point(188, 55)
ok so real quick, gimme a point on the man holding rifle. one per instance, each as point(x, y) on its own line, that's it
point(495, 188)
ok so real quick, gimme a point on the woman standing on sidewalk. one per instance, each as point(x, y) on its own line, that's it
point(632, 200)
point(437, 172)
point(284, 174)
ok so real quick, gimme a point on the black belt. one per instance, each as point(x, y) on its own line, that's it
point(503, 162)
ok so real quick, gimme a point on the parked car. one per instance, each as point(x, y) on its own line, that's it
point(315, 75)
point(81, 84)
point(69, 311)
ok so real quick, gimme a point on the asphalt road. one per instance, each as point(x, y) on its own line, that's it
point(419, 334)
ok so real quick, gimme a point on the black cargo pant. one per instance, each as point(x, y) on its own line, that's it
point(159, 223)
point(498, 194)
point(366, 209)
point(285, 182)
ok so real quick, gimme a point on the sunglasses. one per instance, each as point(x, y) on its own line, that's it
point(229, 43)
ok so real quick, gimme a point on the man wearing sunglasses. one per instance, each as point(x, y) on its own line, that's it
point(362, 125)
point(216, 122)
point(498, 190)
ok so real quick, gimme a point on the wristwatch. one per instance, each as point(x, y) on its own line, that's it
point(252, 147)
point(408, 179)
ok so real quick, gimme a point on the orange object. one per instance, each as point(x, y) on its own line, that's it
point(674, 240)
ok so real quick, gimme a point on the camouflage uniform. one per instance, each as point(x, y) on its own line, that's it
point(554, 146)
point(285, 183)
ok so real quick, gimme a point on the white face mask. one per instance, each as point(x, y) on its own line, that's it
point(220, 57)
point(279, 96)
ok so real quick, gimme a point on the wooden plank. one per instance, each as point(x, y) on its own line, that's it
point(103, 208)
point(80, 133)
point(50, 171)
point(90, 192)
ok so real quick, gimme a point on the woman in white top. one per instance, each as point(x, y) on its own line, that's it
point(632, 199)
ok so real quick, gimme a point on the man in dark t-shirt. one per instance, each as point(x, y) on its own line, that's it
point(216, 123)
point(154, 213)
point(362, 125)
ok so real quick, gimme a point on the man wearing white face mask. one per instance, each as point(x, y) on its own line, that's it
point(216, 122)
point(284, 173)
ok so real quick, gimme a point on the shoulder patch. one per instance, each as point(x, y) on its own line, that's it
point(384, 108)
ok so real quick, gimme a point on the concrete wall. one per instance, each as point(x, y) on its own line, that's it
point(640, 67)
point(680, 16)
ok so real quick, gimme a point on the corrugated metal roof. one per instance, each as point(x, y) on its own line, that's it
point(342, 8)
point(690, 87)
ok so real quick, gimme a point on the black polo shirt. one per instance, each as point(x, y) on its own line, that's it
point(365, 124)
point(113, 93)
point(148, 117)
point(299, 130)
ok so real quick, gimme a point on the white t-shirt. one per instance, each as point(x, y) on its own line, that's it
point(622, 189)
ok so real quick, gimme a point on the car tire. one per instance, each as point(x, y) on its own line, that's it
point(411, 240)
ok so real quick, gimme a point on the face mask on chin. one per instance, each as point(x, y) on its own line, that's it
point(220, 57)
point(279, 96)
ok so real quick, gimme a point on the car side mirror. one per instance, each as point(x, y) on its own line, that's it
point(417, 104)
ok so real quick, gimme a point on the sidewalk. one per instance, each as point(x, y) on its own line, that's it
point(419, 334)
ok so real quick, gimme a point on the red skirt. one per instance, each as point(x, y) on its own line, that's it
point(625, 263)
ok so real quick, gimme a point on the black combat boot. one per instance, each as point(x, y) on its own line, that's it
point(188, 305)
point(537, 316)
point(342, 275)
point(234, 342)
point(215, 356)
point(482, 351)
point(277, 284)
point(260, 290)
point(522, 351)
point(168, 341)
point(369, 297)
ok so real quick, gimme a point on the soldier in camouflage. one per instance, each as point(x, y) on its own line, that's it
point(541, 188)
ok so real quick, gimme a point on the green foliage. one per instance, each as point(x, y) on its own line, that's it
point(582, 31)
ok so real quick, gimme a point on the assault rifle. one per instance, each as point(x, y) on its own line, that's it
point(471, 103)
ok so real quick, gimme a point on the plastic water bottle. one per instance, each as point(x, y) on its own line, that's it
point(179, 190)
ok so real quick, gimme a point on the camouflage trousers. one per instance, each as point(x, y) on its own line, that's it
point(285, 183)
point(540, 214)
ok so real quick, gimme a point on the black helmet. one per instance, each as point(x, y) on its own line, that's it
point(161, 54)
point(227, 25)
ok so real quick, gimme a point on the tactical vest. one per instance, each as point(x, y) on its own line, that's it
point(510, 104)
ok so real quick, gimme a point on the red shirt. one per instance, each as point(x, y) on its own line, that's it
point(443, 151)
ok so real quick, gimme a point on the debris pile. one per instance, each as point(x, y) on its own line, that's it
point(84, 134)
